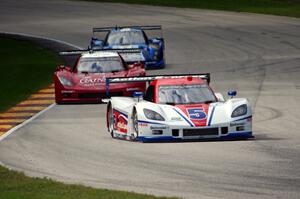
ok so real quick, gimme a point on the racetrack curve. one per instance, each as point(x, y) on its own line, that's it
point(258, 55)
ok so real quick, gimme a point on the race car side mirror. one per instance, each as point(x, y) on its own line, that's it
point(232, 93)
point(220, 97)
point(138, 95)
point(62, 67)
point(96, 43)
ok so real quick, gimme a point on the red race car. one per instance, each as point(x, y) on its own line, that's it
point(85, 82)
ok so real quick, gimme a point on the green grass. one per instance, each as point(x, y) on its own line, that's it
point(15, 185)
point(274, 7)
point(25, 68)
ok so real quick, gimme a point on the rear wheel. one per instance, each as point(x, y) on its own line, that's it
point(110, 121)
point(135, 125)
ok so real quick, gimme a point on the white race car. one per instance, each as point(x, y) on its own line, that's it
point(177, 107)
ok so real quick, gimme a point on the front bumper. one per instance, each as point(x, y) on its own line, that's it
point(229, 136)
point(241, 129)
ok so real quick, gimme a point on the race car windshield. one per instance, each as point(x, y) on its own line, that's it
point(100, 65)
point(185, 94)
point(126, 38)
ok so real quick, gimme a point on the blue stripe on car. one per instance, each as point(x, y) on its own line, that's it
point(187, 120)
point(147, 122)
point(153, 139)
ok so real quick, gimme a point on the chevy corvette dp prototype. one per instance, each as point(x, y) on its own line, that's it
point(176, 108)
point(133, 37)
point(85, 82)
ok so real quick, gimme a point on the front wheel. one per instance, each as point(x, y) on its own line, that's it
point(110, 121)
point(135, 125)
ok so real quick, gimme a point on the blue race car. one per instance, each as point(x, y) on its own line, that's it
point(133, 37)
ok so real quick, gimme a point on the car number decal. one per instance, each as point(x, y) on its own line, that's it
point(196, 113)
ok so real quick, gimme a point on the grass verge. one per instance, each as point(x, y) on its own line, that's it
point(275, 7)
point(25, 68)
point(15, 185)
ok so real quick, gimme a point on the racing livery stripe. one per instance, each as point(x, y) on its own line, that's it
point(143, 121)
point(26, 109)
point(121, 112)
point(211, 116)
point(187, 120)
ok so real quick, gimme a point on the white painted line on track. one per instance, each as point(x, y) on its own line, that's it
point(5, 135)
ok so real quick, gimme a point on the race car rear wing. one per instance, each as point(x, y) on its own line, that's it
point(128, 55)
point(204, 76)
point(79, 52)
point(107, 29)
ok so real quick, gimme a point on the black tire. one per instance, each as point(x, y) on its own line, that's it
point(110, 121)
point(135, 125)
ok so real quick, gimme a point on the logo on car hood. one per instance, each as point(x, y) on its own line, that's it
point(92, 81)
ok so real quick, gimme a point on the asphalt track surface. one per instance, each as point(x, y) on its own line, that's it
point(257, 55)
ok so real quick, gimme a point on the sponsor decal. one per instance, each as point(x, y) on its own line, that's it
point(88, 81)
point(132, 79)
point(132, 89)
point(158, 127)
point(122, 123)
point(196, 113)
point(67, 91)
point(237, 123)
point(176, 119)
point(143, 124)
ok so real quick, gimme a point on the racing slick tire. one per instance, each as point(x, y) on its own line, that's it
point(135, 125)
point(110, 120)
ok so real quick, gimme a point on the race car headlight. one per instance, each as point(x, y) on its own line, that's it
point(239, 111)
point(64, 81)
point(152, 115)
